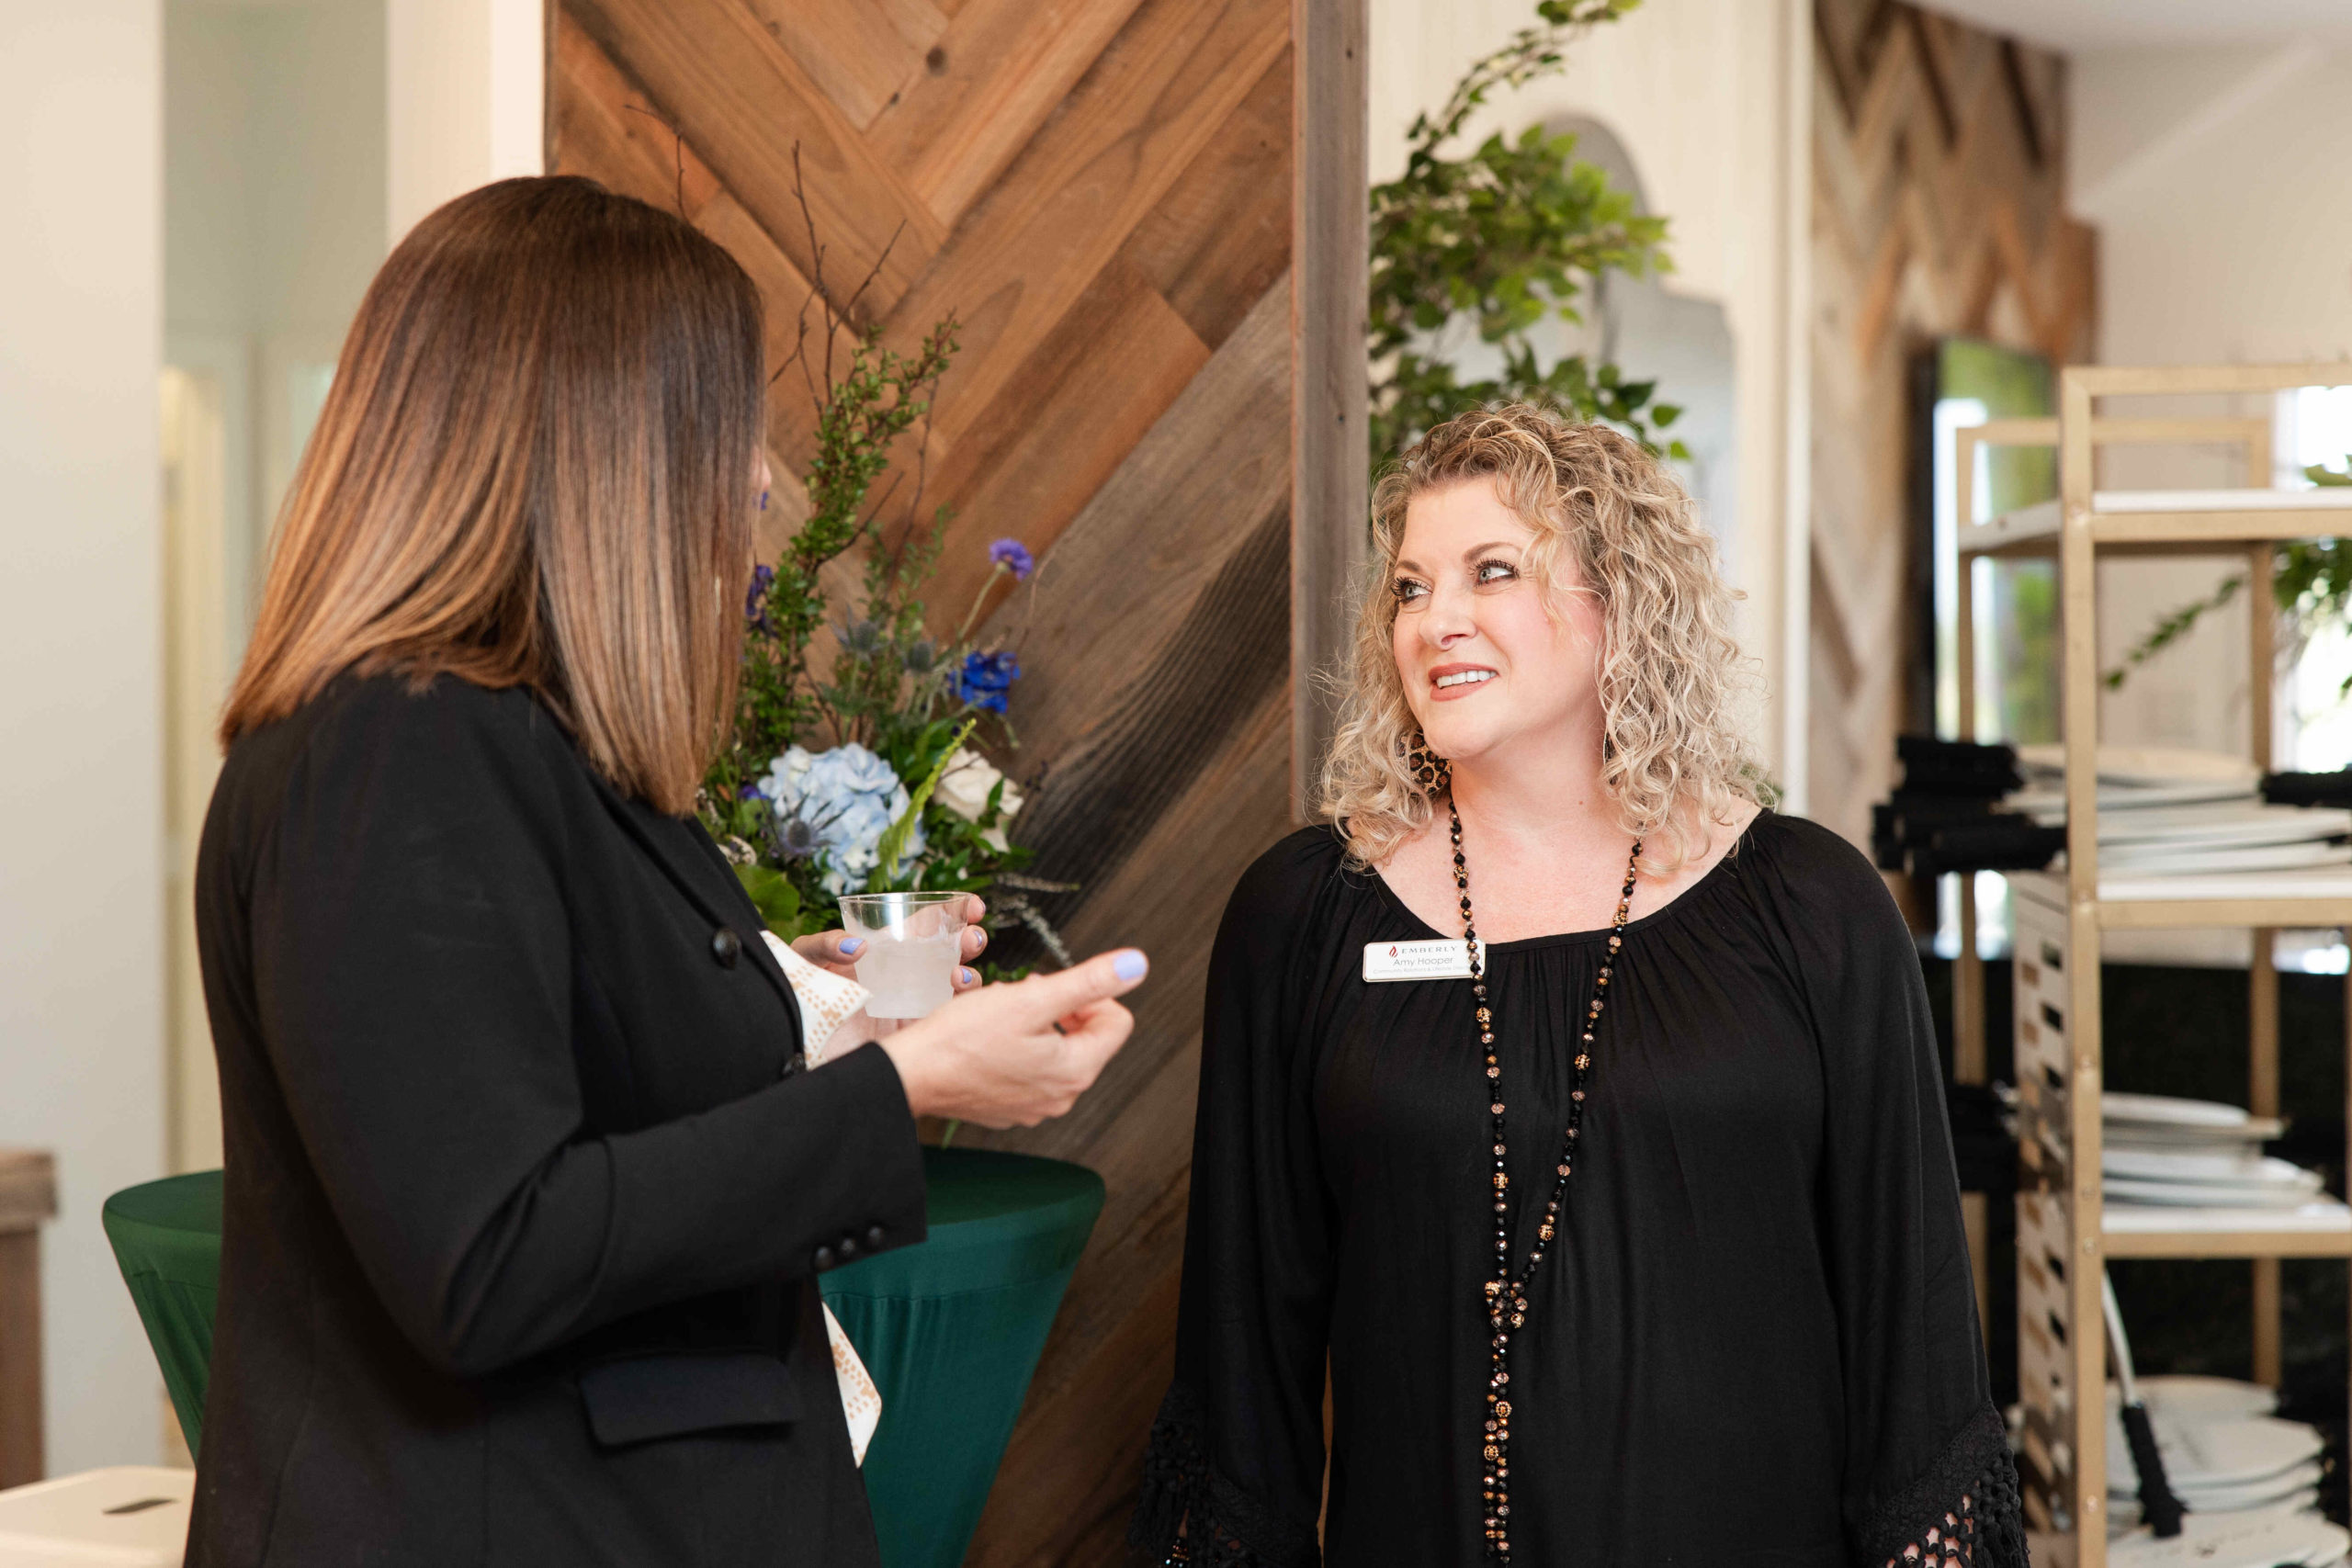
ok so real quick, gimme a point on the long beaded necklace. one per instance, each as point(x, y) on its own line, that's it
point(1505, 1298)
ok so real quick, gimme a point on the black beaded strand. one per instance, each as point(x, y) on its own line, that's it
point(1505, 1298)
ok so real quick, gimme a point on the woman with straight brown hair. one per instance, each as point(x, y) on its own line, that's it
point(526, 1184)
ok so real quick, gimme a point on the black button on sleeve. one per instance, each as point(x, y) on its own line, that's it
point(725, 947)
point(874, 1237)
point(847, 1247)
point(823, 1259)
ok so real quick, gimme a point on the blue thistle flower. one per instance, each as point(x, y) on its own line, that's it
point(755, 602)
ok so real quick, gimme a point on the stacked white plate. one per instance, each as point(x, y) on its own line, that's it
point(2171, 1165)
point(2195, 1154)
point(2173, 813)
point(2243, 1475)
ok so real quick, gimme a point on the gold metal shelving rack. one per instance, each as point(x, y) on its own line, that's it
point(2063, 1242)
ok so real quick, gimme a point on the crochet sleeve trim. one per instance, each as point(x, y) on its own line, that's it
point(1964, 1513)
point(1191, 1514)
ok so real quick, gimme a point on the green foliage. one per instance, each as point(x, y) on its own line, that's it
point(894, 837)
point(2311, 582)
point(1496, 241)
point(774, 896)
point(860, 416)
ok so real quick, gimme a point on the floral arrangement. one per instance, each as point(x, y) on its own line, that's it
point(881, 790)
point(860, 773)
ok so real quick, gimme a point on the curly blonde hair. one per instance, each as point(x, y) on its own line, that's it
point(1671, 674)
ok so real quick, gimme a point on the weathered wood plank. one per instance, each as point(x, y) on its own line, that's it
point(1221, 235)
point(861, 52)
point(1329, 396)
point(745, 104)
point(1159, 789)
point(988, 83)
point(1147, 734)
point(1027, 254)
point(606, 126)
point(1060, 427)
point(1155, 536)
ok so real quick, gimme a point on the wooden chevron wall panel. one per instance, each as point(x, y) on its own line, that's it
point(1939, 209)
point(1102, 192)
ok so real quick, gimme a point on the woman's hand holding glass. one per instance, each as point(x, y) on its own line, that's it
point(1016, 1055)
point(839, 952)
point(1007, 1055)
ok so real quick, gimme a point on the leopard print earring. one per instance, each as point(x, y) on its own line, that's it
point(1432, 772)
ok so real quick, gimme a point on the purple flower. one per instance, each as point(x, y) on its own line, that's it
point(987, 677)
point(756, 601)
point(1014, 555)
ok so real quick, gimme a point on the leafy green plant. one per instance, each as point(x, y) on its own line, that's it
point(2311, 582)
point(1494, 242)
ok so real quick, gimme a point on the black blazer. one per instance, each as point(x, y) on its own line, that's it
point(526, 1187)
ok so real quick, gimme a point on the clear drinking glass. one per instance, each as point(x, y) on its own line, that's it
point(913, 943)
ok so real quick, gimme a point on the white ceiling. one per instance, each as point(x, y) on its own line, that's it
point(2082, 25)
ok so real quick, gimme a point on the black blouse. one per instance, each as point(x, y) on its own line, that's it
point(1756, 1340)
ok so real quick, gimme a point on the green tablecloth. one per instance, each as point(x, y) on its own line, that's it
point(951, 1329)
point(166, 1238)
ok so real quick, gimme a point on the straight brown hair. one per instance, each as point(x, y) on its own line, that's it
point(535, 468)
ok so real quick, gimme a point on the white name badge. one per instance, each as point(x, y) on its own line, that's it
point(1444, 959)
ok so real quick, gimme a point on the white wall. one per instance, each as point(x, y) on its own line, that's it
point(1701, 93)
point(2224, 230)
point(81, 917)
point(274, 211)
point(2215, 177)
point(467, 81)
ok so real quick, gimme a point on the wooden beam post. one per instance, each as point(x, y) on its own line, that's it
point(2078, 584)
point(1330, 463)
point(1968, 966)
point(27, 1197)
point(2262, 971)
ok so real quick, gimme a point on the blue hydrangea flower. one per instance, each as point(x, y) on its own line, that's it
point(848, 797)
point(1014, 556)
point(986, 677)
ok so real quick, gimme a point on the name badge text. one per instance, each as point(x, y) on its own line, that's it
point(1444, 959)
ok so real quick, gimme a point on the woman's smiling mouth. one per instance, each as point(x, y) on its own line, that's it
point(1454, 680)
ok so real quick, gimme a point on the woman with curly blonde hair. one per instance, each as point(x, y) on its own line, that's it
point(1582, 1117)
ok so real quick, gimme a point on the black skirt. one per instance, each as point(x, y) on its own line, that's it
point(1756, 1339)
